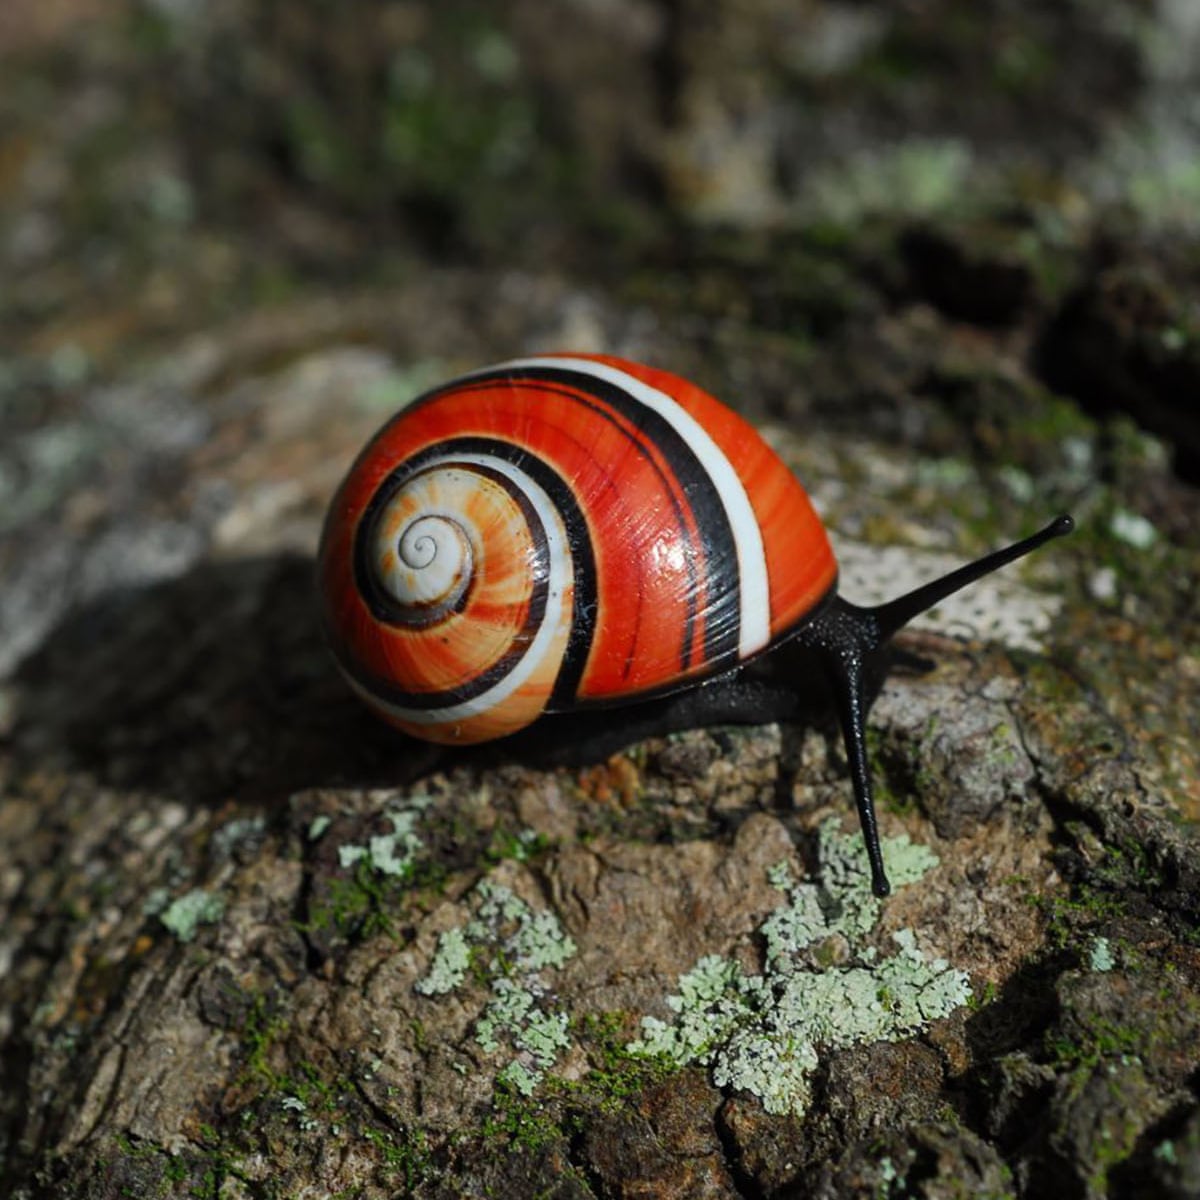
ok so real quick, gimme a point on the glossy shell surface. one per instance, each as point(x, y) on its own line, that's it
point(557, 532)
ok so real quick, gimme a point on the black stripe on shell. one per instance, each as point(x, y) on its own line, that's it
point(719, 550)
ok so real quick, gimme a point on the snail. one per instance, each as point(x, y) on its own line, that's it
point(563, 533)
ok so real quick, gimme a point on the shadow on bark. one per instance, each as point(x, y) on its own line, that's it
point(211, 686)
point(217, 685)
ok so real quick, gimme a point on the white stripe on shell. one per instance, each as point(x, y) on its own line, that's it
point(754, 615)
point(557, 610)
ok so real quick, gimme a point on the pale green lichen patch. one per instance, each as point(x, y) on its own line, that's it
point(1166, 1152)
point(509, 944)
point(761, 1033)
point(234, 832)
point(1101, 956)
point(185, 915)
point(1133, 529)
point(304, 1119)
point(780, 876)
point(391, 853)
point(842, 903)
point(449, 966)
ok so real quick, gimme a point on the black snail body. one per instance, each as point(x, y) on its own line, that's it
point(572, 533)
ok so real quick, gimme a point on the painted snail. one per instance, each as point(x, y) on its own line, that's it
point(561, 533)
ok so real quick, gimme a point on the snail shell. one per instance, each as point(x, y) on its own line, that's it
point(558, 532)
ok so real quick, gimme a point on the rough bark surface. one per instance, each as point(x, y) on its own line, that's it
point(236, 238)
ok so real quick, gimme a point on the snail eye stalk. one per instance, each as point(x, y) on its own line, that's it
point(846, 636)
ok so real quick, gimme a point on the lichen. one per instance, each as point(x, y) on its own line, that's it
point(1166, 1152)
point(1133, 529)
point(520, 1078)
point(543, 1034)
point(540, 942)
point(1101, 956)
point(510, 945)
point(449, 966)
point(234, 832)
point(780, 876)
point(391, 853)
point(185, 915)
point(761, 1033)
point(915, 177)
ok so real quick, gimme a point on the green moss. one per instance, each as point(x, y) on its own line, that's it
point(405, 1153)
point(264, 1026)
point(356, 906)
point(1080, 917)
point(382, 871)
point(198, 1174)
point(1129, 864)
point(1121, 1047)
point(1068, 917)
point(520, 845)
point(519, 1122)
point(989, 995)
point(309, 1086)
point(615, 1075)
point(530, 1123)
point(309, 1101)
point(1103, 1039)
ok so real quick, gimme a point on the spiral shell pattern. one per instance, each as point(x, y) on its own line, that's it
point(557, 532)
